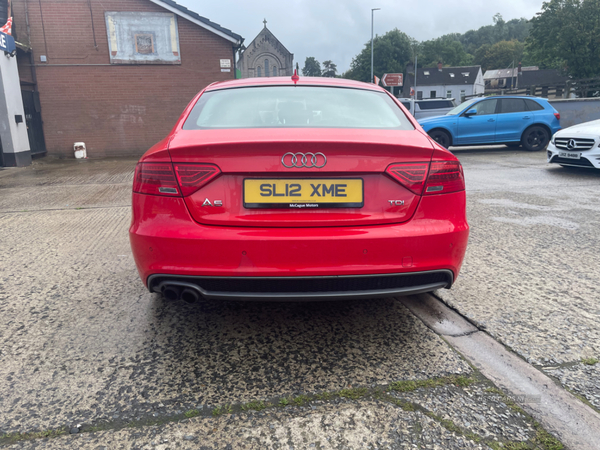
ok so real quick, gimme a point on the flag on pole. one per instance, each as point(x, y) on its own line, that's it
point(7, 27)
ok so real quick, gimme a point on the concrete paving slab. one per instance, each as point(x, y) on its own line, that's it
point(581, 379)
point(575, 424)
point(476, 409)
point(351, 425)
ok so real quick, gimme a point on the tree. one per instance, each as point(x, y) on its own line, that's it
point(391, 53)
point(329, 69)
point(565, 35)
point(501, 55)
point(446, 49)
point(491, 34)
point(312, 67)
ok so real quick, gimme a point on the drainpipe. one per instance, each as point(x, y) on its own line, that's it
point(31, 55)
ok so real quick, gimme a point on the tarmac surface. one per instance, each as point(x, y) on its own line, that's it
point(88, 350)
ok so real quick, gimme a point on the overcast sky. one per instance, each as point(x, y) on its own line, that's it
point(339, 29)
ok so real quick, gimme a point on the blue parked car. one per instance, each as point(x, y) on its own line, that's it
point(514, 121)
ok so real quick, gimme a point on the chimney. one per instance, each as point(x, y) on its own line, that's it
point(439, 66)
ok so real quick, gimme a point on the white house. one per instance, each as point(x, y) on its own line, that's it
point(445, 82)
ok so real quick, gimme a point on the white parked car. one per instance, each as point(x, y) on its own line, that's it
point(576, 146)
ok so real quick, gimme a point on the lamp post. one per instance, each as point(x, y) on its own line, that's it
point(372, 11)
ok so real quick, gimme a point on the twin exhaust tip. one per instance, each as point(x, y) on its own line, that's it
point(173, 292)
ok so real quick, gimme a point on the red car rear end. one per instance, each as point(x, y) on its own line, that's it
point(294, 190)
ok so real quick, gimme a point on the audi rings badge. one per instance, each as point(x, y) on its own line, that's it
point(308, 160)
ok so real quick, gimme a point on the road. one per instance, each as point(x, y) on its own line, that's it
point(87, 350)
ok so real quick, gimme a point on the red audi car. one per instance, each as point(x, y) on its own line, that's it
point(297, 189)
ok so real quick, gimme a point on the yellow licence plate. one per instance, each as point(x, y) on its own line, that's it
point(303, 193)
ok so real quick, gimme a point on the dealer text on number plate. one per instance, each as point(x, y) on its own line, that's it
point(303, 193)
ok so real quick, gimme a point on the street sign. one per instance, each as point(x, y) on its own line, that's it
point(376, 79)
point(392, 79)
point(7, 43)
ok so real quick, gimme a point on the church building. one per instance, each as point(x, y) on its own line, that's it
point(265, 56)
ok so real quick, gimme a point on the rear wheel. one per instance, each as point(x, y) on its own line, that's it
point(535, 138)
point(441, 137)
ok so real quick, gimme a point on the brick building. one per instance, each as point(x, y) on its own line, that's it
point(115, 74)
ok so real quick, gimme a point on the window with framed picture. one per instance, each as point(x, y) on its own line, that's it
point(142, 38)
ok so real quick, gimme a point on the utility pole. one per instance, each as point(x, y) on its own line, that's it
point(415, 84)
point(372, 11)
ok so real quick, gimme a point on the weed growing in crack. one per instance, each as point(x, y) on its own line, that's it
point(256, 406)
point(589, 361)
point(301, 400)
point(412, 385)
point(353, 394)
point(220, 410)
point(191, 413)
point(545, 439)
point(325, 396)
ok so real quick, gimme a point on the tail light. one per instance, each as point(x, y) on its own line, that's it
point(172, 179)
point(192, 177)
point(444, 177)
point(410, 175)
point(557, 115)
point(156, 179)
point(439, 177)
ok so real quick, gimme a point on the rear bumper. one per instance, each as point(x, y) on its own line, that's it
point(166, 242)
point(305, 288)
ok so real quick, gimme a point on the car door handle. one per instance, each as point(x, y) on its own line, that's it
point(526, 117)
point(491, 120)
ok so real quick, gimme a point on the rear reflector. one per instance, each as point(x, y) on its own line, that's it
point(410, 175)
point(444, 177)
point(192, 177)
point(439, 177)
point(156, 179)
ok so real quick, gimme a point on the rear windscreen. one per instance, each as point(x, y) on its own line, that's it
point(296, 106)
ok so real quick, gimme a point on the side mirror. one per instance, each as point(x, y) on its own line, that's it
point(471, 112)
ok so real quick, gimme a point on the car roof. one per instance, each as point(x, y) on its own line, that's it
point(424, 99)
point(287, 81)
point(531, 97)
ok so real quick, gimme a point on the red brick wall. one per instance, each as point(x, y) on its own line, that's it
point(114, 109)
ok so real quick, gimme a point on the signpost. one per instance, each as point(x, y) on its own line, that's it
point(7, 43)
point(391, 80)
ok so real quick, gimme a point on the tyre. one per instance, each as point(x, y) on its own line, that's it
point(441, 137)
point(535, 138)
